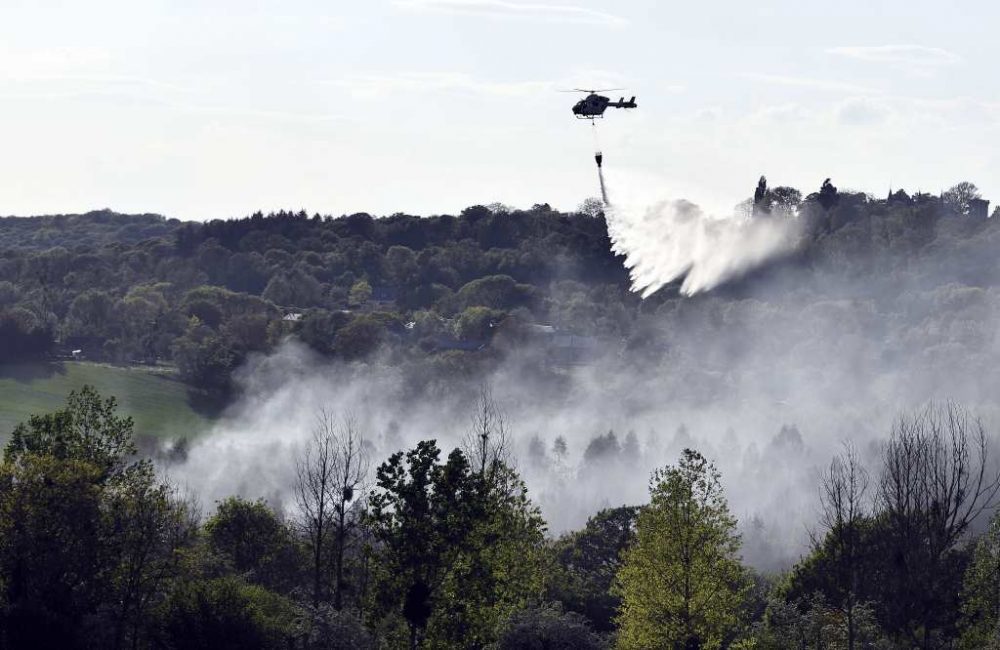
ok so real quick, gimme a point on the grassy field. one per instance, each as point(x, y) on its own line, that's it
point(160, 405)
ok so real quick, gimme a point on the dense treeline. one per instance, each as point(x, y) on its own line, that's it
point(204, 296)
point(430, 549)
point(91, 230)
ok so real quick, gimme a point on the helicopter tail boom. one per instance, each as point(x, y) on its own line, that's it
point(621, 103)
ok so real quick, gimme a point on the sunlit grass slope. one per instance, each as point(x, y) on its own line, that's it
point(160, 405)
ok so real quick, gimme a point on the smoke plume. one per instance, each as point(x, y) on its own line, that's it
point(767, 381)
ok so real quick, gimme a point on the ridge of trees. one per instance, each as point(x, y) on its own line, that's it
point(203, 296)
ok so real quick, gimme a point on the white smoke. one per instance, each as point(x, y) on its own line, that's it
point(673, 239)
point(767, 384)
point(252, 450)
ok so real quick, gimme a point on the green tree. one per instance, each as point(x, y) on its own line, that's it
point(360, 294)
point(494, 291)
point(142, 319)
point(463, 544)
point(477, 323)
point(144, 527)
point(981, 592)
point(225, 613)
point(89, 429)
point(207, 312)
point(828, 195)
point(326, 628)
point(547, 626)
point(247, 332)
point(812, 624)
point(421, 515)
point(501, 568)
point(251, 540)
point(23, 335)
point(205, 358)
point(586, 562)
point(682, 584)
point(401, 266)
point(91, 315)
point(88, 538)
point(52, 554)
point(761, 198)
point(360, 337)
point(318, 328)
point(294, 288)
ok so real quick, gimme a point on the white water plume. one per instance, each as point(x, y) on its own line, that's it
point(674, 239)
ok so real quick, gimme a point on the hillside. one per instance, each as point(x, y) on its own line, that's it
point(89, 230)
point(203, 296)
point(525, 319)
point(160, 406)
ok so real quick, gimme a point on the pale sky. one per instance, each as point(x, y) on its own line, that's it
point(215, 109)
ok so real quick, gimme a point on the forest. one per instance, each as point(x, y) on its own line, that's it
point(444, 548)
point(400, 536)
point(203, 296)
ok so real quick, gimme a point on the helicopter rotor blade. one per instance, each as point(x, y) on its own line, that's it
point(587, 90)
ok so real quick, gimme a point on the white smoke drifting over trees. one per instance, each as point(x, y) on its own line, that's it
point(768, 378)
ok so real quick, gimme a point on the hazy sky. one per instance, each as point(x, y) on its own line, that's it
point(219, 108)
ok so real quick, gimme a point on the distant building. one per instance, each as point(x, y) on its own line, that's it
point(979, 209)
point(292, 317)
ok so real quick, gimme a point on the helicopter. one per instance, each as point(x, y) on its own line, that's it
point(593, 105)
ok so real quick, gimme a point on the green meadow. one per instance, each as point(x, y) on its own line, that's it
point(160, 405)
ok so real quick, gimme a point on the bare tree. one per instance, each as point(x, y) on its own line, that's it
point(487, 445)
point(151, 523)
point(331, 474)
point(592, 207)
point(959, 196)
point(937, 478)
point(314, 493)
point(845, 503)
point(937, 472)
point(351, 465)
point(743, 209)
